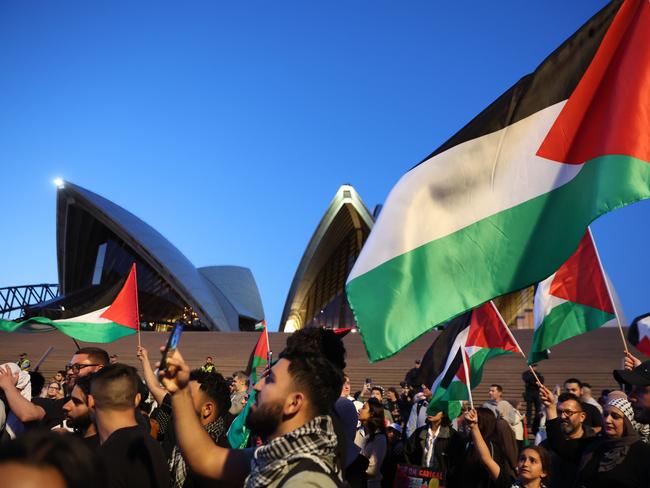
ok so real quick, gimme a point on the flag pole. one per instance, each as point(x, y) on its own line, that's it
point(269, 354)
point(43, 357)
point(137, 308)
point(503, 322)
point(467, 377)
point(609, 292)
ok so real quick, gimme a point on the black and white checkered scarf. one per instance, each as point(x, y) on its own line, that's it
point(315, 441)
point(177, 466)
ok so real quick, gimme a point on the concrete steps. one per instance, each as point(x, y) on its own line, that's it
point(590, 357)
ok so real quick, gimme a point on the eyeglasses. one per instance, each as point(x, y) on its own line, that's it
point(75, 368)
point(567, 413)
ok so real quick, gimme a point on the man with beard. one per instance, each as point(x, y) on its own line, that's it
point(565, 420)
point(239, 392)
point(291, 413)
point(46, 412)
point(593, 417)
point(77, 413)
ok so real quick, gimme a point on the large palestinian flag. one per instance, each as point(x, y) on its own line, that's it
point(506, 200)
point(105, 324)
point(465, 346)
point(572, 301)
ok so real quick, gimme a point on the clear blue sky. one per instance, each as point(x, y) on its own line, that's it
point(228, 126)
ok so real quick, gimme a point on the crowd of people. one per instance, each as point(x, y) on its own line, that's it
point(102, 423)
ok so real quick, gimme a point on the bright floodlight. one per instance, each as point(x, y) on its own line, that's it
point(58, 182)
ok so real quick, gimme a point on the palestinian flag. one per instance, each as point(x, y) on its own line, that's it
point(259, 355)
point(471, 339)
point(106, 324)
point(639, 333)
point(572, 301)
point(238, 433)
point(504, 202)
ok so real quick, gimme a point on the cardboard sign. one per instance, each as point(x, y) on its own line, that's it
point(408, 476)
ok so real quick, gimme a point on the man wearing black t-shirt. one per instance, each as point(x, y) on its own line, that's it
point(131, 456)
point(593, 417)
point(46, 412)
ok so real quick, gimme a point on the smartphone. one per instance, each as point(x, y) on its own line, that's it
point(172, 344)
point(368, 381)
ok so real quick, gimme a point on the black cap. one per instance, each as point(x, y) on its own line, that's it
point(639, 376)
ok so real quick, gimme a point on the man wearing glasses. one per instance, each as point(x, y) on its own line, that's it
point(564, 422)
point(47, 412)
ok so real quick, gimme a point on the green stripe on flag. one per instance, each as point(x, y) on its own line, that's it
point(404, 297)
point(83, 331)
point(566, 320)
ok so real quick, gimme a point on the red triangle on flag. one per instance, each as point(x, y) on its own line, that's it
point(595, 120)
point(124, 309)
point(262, 346)
point(487, 330)
point(580, 279)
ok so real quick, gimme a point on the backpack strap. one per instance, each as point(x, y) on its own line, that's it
point(307, 464)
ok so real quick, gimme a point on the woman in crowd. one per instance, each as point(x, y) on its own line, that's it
point(533, 463)
point(371, 439)
point(468, 470)
point(620, 459)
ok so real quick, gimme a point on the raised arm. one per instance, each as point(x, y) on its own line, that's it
point(199, 450)
point(481, 447)
point(549, 401)
point(157, 391)
point(22, 408)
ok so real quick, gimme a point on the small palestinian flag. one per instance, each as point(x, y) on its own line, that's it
point(238, 433)
point(106, 324)
point(504, 202)
point(259, 355)
point(639, 333)
point(572, 301)
point(473, 338)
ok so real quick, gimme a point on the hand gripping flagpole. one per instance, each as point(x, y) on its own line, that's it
point(467, 377)
point(609, 291)
point(505, 326)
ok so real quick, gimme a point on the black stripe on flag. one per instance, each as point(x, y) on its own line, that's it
point(553, 81)
point(434, 360)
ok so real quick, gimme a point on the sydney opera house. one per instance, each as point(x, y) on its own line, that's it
point(317, 294)
point(97, 241)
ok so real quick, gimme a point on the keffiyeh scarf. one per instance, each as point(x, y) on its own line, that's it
point(177, 466)
point(611, 452)
point(315, 441)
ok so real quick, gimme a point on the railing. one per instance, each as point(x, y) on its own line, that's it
point(14, 299)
